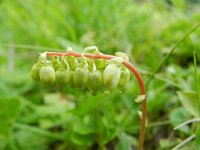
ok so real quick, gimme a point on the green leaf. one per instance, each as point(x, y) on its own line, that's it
point(27, 140)
point(89, 104)
point(164, 143)
point(84, 126)
point(54, 105)
point(179, 115)
point(125, 142)
point(52, 98)
point(79, 139)
point(189, 101)
point(9, 110)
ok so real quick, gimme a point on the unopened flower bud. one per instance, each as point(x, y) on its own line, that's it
point(111, 76)
point(47, 74)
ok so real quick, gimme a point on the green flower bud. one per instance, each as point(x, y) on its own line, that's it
point(62, 76)
point(72, 61)
point(124, 77)
point(123, 55)
point(47, 74)
point(35, 72)
point(95, 81)
point(56, 64)
point(91, 50)
point(80, 77)
point(100, 63)
point(90, 63)
point(71, 81)
point(111, 76)
point(42, 58)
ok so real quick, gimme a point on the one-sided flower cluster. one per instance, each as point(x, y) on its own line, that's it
point(81, 72)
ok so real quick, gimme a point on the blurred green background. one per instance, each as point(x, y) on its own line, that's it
point(35, 116)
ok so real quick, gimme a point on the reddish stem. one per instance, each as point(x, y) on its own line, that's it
point(133, 70)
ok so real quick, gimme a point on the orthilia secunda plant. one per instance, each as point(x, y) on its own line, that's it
point(91, 70)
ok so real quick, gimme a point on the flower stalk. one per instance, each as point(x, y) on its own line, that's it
point(132, 68)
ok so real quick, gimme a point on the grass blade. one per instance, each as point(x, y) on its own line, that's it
point(170, 53)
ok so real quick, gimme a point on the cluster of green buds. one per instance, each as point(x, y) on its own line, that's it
point(82, 72)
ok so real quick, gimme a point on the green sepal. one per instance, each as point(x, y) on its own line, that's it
point(47, 73)
point(42, 59)
point(62, 76)
point(80, 77)
point(100, 63)
point(95, 81)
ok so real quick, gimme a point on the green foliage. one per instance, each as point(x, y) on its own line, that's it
point(125, 142)
point(9, 111)
point(189, 101)
point(180, 115)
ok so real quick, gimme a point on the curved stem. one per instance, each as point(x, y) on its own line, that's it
point(133, 70)
point(143, 92)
